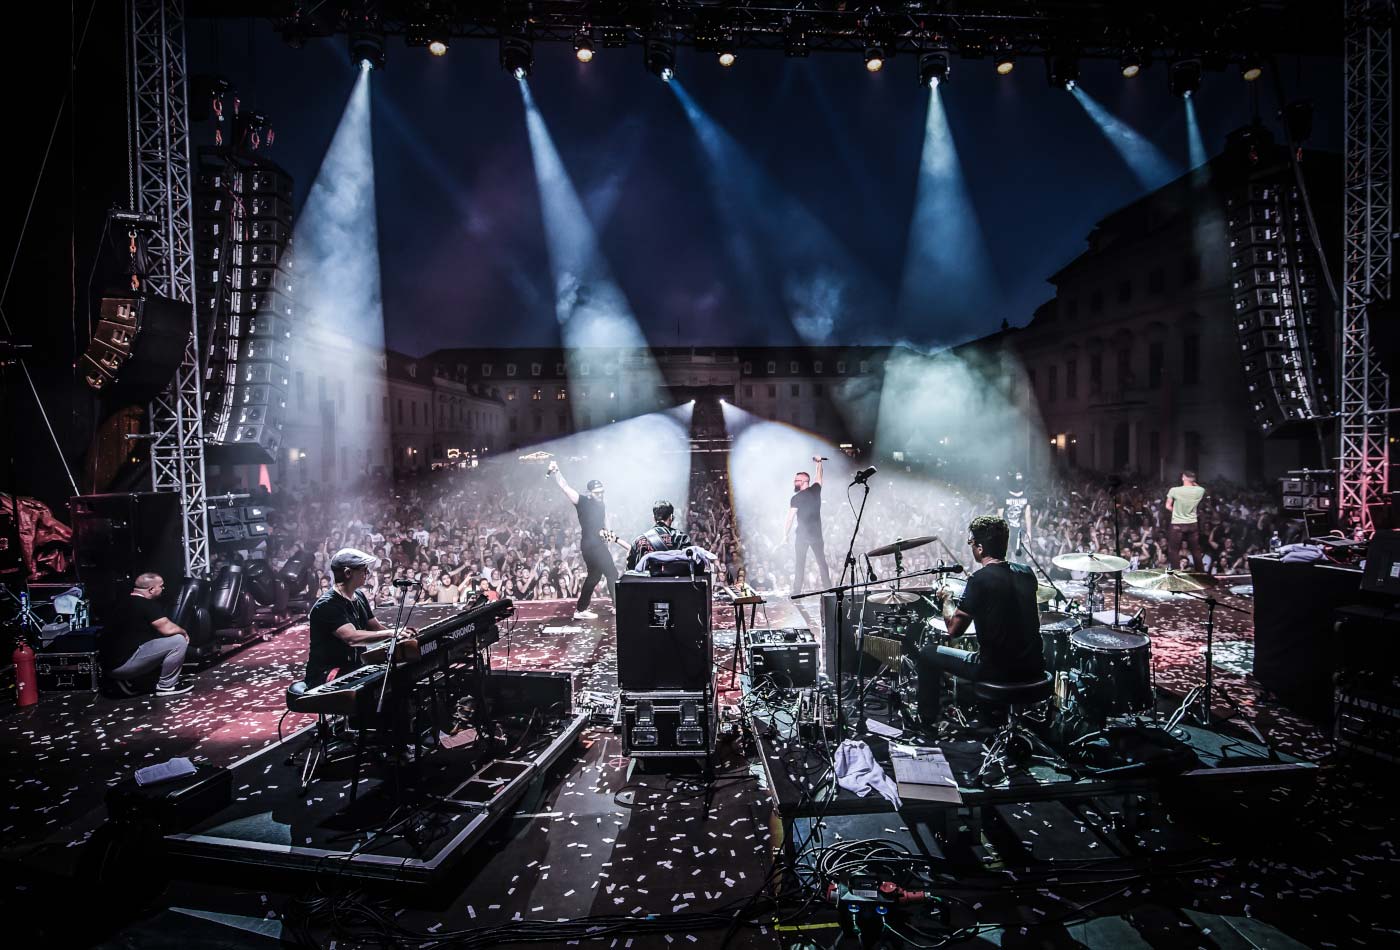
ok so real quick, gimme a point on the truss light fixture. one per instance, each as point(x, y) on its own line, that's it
point(1130, 64)
point(438, 46)
point(661, 58)
point(517, 53)
point(1251, 69)
point(367, 48)
point(934, 68)
point(1184, 78)
point(795, 43)
point(1005, 61)
point(1062, 70)
point(874, 57)
point(583, 46)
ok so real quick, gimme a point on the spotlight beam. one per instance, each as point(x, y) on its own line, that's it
point(1149, 166)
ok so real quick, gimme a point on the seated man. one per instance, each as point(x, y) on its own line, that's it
point(144, 639)
point(1000, 598)
point(659, 537)
point(342, 618)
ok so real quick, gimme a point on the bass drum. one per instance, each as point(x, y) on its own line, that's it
point(1110, 673)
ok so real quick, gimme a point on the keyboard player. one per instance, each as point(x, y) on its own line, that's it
point(342, 620)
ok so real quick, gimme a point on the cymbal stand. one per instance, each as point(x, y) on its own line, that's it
point(1060, 597)
point(1199, 701)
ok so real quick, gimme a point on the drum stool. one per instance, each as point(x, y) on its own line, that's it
point(326, 737)
point(1013, 745)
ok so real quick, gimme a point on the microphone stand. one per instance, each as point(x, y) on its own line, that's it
point(1117, 552)
point(848, 565)
point(1203, 703)
point(840, 592)
point(399, 621)
point(1060, 597)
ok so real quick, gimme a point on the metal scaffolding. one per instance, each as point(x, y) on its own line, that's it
point(161, 172)
point(1368, 214)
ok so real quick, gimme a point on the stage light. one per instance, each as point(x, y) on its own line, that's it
point(727, 57)
point(933, 68)
point(517, 53)
point(1251, 69)
point(1130, 64)
point(795, 39)
point(583, 47)
point(661, 58)
point(1184, 78)
point(1005, 63)
point(437, 47)
point(874, 58)
point(367, 49)
point(1062, 70)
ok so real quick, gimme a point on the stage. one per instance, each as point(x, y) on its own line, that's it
point(596, 840)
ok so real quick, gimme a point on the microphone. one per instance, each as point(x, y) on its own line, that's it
point(820, 458)
point(950, 569)
point(404, 583)
point(869, 571)
point(863, 475)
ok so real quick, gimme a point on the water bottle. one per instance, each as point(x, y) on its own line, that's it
point(1275, 543)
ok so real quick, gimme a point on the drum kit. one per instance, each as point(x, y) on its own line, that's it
point(1101, 660)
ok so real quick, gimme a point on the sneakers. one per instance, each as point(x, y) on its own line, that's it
point(585, 615)
point(178, 690)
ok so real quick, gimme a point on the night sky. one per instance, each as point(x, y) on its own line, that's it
point(462, 248)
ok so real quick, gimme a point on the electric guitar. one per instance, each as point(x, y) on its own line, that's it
point(615, 538)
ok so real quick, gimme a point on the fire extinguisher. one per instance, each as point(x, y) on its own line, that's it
point(26, 680)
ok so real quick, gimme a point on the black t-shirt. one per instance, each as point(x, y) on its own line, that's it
point(808, 503)
point(327, 651)
point(592, 518)
point(660, 537)
point(132, 627)
point(1001, 599)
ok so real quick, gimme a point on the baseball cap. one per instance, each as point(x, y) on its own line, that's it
point(353, 557)
point(595, 485)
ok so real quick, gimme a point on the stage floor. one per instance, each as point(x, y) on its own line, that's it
point(603, 842)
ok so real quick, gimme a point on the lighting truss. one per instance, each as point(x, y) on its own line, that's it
point(161, 169)
point(1363, 470)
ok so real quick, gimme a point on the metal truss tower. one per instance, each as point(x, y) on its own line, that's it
point(161, 173)
point(1368, 211)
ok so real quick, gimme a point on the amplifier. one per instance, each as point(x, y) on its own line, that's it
point(524, 691)
point(60, 672)
point(787, 657)
point(172, 806)
point(668, 723)
point(1367, 720)
point(663, 633)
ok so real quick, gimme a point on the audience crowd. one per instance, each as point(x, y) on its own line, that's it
point(504, 531)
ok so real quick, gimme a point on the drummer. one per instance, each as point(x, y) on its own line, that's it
point(1000, 598)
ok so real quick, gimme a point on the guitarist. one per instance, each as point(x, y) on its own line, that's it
point(592, 519)
point(659, 537)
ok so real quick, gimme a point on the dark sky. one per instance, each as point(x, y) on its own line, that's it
point(461, 236)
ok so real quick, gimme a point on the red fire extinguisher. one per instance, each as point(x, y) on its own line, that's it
point(26, 680)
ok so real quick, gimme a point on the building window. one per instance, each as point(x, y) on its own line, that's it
point(748, 392)
point(535, 369)
point(817, 366)
point(558, 369)
point(510, 394)
point(1096, 302)
point(1095, 373)
point(1191, 358)
point(485, 369)
point(583, 369)
point(1156, 281)
point(514, 423)
point(818, 389)
point(1125, 367)
point(772, 367)
point(865, 366)
point(1052, 384)
point(841, 367)
point(398, 405)
point(386, 408)
point(772, 391)
point(1155, 357)
point(748, 367)
point(1125, 291)
point(561, 394)
point(510, 369)
point(1072, 379)
point(536, 394)
point(797, 389)
point(792, 368)
point(413, 412)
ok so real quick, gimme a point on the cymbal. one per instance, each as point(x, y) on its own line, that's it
point(893, 597)
point(902, 544)
point(1093, 563)
point(1168, 580)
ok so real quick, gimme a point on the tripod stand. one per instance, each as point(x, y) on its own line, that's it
point(1198, 702)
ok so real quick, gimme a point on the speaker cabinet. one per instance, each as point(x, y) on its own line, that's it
point(663, 633)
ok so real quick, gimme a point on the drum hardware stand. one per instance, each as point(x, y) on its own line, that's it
point(840, 591)
point(1113, 485)
point(1060, 597)
point(1198, 702)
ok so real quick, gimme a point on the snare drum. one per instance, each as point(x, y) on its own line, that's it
point(1110, 673)
point(1055, 632)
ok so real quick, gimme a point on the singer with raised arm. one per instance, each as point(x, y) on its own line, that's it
point(1000, 599)
point(341, 619)
point(805, 511)
point(592, 514)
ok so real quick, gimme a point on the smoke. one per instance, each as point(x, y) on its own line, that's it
point(1149, 166)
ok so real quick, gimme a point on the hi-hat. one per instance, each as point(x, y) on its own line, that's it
point(1168, 580)
point(1093, 563)
point(893, 597)
point(903, 544)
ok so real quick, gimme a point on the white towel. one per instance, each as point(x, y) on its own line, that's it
point(857, 771)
